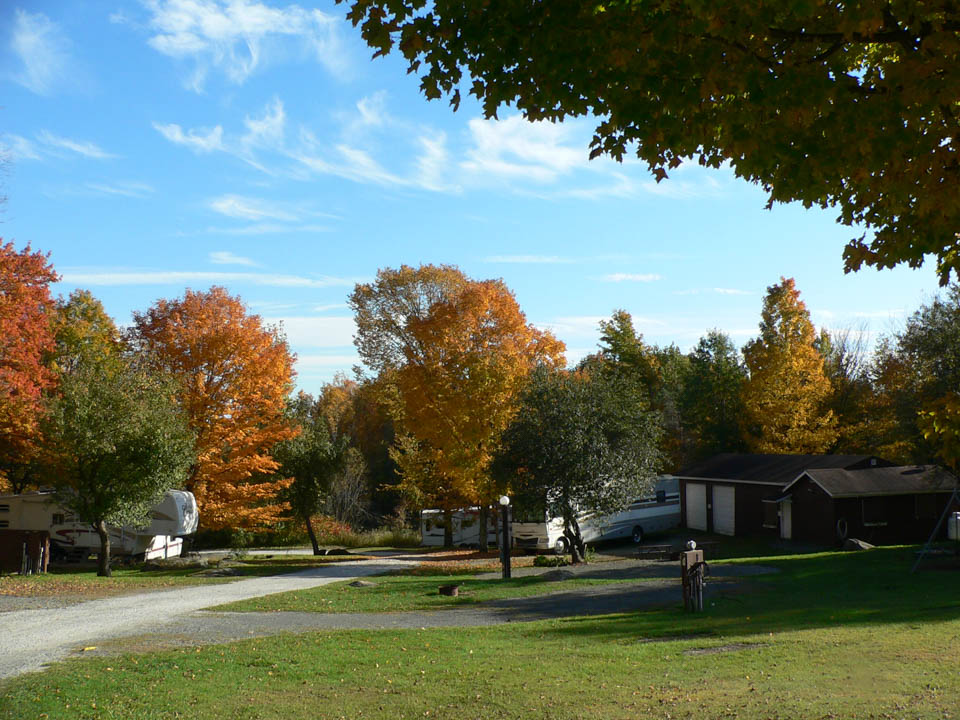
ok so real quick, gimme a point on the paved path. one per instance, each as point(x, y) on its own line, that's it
point(31, 639)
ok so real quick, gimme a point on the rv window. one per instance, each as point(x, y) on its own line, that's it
point(4, 523)
point(661, 496)
point(5, 508)
point(57, 519)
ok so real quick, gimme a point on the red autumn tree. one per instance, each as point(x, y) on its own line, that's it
point(235, 374)
point(26, 339)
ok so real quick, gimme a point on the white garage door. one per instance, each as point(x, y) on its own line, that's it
point(696, 506)
point(723, 509)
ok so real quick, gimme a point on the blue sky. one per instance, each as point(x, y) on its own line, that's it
point(160, 145)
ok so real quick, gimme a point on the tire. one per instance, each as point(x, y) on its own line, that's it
point(842, 529)
point(638, 534)
point(561, 546)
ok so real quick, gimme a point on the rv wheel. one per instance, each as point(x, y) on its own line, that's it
point(561, 546)
point(638, 534)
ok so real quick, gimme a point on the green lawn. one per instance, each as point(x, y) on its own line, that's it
point(394, 593)
point(831, 636)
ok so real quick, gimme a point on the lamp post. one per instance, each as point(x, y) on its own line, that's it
point(506, 536)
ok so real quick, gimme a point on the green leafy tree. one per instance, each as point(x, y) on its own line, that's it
point(581, 442)
point(846, 105)
point(312, 460)
point(116, 440)
point(786, 394)
point(712, 396)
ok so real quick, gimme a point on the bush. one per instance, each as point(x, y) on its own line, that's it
point(550, 561)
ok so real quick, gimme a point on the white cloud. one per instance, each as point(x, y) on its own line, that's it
point(122, 188)
point(268, 229)
point(176, 277)
point(332, 306)
point(81, 147)
point(318, 331)
point(718, 291)
point(237, 37)
point(578, 326)
point(20, 148)
point(529, 259)
point(244, 208)
point(631, 277)
point(202, 141)
point(42, 50)
point(517, 149)
point(225, 257)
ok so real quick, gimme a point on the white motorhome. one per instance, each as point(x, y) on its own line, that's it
point(466, 527)
point(173, 517)
point(644, 516)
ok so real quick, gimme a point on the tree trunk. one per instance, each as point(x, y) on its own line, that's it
point(103, 557)
point(312, 534)
point(571, 531)
point(484, 545)
point(448, 528)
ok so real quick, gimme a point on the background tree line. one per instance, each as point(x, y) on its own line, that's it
point(461, 400)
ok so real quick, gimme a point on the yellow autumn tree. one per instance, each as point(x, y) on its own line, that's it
point(452, 355)
point(235, 373)
point(785, 395)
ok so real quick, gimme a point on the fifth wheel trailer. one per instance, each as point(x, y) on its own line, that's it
point(172, 518)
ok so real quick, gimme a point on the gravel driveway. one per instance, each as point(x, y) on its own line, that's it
point(31, 639)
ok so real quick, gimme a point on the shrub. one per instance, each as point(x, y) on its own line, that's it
point(550, 561)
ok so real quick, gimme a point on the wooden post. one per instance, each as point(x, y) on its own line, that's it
point(691, 572)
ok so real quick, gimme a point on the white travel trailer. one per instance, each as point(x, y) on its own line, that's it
point(644, 516)
point(170, 519)
point(466, 527)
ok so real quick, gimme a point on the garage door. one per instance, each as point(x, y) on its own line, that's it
point(696, 506)
point(723, 509)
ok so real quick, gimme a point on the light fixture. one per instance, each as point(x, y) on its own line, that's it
point(504, 500)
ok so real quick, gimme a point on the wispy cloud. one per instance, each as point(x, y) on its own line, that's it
point(176, 277)
point(717, 291)
point(122, 188)
point(246, 208)
point(529, 259)
point(42, 50)
point(268, 229)
point(81, 147)
point(514, 148)
point(225, 257)
point(631, 277)
point(238, 37)
point(198, 140)
point(20, 148)
point(332, 306)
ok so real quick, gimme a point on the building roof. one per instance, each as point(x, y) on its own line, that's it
point(869, 481)
point(770, 469)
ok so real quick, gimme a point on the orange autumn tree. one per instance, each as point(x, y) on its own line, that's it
point(235, 374)
point(26, 340)
point(452, 355)
point(786, 393)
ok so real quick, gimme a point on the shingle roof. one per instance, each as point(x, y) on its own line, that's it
point(904, 480)
point(771, 469)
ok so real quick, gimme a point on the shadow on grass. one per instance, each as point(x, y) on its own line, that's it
point(811, 591)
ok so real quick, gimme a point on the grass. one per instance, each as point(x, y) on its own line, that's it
point(395, 593)
point(831, 636)
point(82, 583)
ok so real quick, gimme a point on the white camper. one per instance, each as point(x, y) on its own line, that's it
point(466, 527)
point(642, 517)
point(170, 519)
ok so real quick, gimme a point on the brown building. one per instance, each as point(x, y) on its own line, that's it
point(814, 498)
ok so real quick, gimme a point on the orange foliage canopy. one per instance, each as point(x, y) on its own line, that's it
point(235, 374)
point(455, 353)
point(26, 339)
